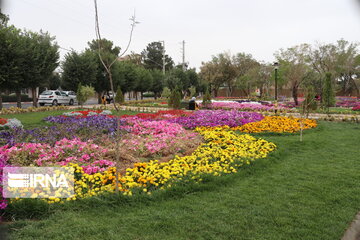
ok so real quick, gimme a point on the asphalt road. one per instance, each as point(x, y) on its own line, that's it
point(91, 101)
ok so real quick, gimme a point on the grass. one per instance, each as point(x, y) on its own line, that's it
point(34, 119)
point(305, 190)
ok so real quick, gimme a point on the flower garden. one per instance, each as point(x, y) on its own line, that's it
point(155, 151)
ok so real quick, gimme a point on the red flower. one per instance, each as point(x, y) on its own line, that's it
point(3, 121)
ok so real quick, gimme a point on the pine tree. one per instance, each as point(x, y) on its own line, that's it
point(119, 98)
point(206, 99)
point(328, 96)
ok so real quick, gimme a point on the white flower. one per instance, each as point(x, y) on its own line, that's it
point(71, 114)
point(92, 113)
point(106, 112)
point(13, 123)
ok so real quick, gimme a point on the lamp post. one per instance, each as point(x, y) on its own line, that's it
point(276, 67)
point(163, 55)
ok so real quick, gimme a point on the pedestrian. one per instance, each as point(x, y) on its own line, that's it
point(103, 99)
point(192, 104)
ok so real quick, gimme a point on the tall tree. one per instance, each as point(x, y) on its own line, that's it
point(157, 83)
point(143, 80)
point(293, 62)
point(40, 60)
point(10, 59)
point(153, 57)
point(79, 68)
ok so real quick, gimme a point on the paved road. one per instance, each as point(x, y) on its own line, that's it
point(91, 101)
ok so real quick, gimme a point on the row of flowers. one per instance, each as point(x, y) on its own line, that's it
point(10, 123)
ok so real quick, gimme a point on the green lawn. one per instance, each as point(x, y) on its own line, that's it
point(305, 190)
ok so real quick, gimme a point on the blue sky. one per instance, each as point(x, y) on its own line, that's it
point(209, 27)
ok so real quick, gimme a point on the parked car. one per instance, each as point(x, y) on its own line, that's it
point(55, 97)
point(72, 96)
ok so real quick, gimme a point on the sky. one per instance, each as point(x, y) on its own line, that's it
point(209, 27)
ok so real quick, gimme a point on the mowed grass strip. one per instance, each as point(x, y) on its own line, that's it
point(305, 190)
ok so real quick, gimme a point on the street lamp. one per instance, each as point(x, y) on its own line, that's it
point(276, 67)
point(163, 55)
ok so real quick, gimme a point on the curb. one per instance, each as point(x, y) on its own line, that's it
point(353, 232)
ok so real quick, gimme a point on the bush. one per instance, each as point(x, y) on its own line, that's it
point(166, 93)
point(149, 94)
point(119, 98)
point(84, 93)
point(175, 99)
point(12, 98)
point(328, 96)
point(206, 99)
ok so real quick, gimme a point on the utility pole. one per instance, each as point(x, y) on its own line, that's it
point(183, 55)
point(163, 56)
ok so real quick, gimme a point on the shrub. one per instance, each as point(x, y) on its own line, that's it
point(119, 98)
point(206, 99)
point(328, 96)
point(83, 93)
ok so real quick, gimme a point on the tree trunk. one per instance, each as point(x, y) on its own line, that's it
point(142, 95)
point(136, 95)
point(18, 98)
point(99, 94)
point(34, 96)
point(215, 92)
point(1, 102)
point(294, 94)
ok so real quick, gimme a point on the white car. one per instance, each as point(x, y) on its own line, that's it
point(72, 96)
point(55, 97)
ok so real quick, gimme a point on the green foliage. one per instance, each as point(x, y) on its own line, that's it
point(153, 57)
point(206, 99)
point(158, 82)
point(309, 104)
point(79, 68)
point(175, 99)
point(192, 91)
point(166, 93)
point(328, 95)
point(84, 93)
point(119, 98)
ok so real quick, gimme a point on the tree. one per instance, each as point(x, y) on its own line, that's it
point(153, 57)
point(206, 99)
point(293, 62)
point(143, 80)
point(40, 60)
point(79, 68)
point(119, 98)
point(175, 99)
point(54, 81)
point(328, 93)
point(11, 59)
point(157, 83)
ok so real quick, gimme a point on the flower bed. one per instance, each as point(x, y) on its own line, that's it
point(212, 118)
point(277, 124)
point(168, 114)
point(162, 138)
point(245, 106)
point(10, 123)
point(99, 128)
point(87, 113)
point(89, 147)
point(223, 152)
point(90, 156)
